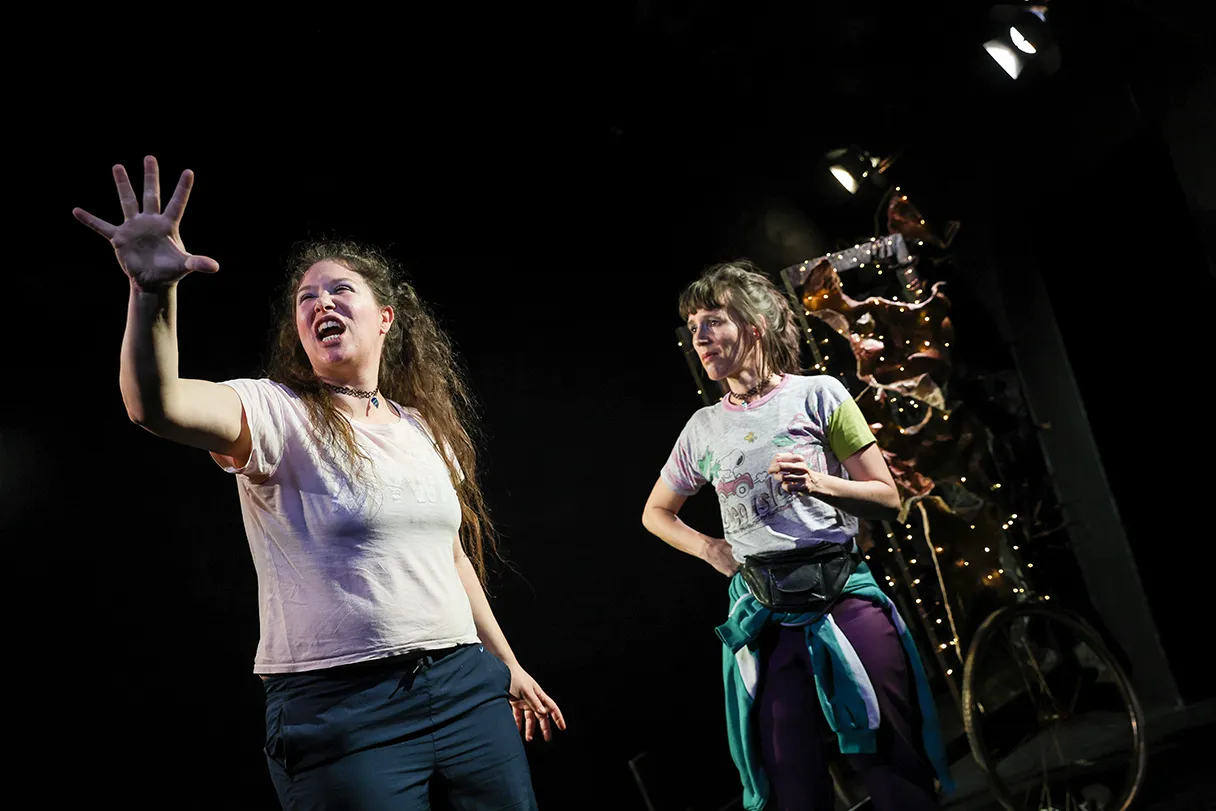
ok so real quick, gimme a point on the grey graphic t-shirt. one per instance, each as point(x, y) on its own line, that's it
point(730, 447)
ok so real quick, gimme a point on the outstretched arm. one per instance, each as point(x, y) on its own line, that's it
point(150, 251)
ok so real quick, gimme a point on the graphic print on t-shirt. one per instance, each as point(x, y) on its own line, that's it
point(731, 449)
point(747, 493)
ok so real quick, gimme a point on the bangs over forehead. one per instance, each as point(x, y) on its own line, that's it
point(704, 294)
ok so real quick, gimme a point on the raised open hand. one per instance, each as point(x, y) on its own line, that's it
point(148, 244)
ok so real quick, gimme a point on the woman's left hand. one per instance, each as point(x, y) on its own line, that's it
point(532, 706)
point(794, 475)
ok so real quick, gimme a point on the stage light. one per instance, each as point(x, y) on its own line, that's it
point(1004, 56)
point(846, 179)
point(1022, 42)
point(853, 167)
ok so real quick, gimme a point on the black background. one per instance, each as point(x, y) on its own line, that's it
point(551, 178)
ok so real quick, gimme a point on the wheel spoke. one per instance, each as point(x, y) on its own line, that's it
point(1031, 666)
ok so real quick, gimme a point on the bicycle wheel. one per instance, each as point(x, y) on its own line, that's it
point(1050, 714)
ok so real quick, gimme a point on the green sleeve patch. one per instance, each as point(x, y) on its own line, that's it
point(848, 431)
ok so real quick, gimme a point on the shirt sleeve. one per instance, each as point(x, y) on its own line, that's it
point(263, 401)
point(848, 432)
point(682, 473)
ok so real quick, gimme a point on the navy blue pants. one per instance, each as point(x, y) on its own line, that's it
point(792, 728)
point(373, 736)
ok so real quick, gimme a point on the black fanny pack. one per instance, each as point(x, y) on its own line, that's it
point(797, 581)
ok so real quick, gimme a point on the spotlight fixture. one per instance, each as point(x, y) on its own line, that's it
point(853, 167)
point(1022, 42)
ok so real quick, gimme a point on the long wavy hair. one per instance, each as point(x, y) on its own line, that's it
point(751, 298)
point(418, 369)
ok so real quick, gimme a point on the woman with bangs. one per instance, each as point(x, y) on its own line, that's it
point(814, 654)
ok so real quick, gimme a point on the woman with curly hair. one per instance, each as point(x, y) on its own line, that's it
point(384, 667)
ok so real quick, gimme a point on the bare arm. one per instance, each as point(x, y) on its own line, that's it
point(530, 704)
point(869, 492)
point(197, 413)
point(149, 249)
point(488, 630)
point(661, 517)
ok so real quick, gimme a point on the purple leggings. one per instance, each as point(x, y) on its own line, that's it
point(791, 725)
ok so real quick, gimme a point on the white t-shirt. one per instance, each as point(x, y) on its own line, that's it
point(730, 447)
point(347, 572)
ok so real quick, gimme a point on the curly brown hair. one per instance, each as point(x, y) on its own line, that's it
point(418, 369)
point(752, 299)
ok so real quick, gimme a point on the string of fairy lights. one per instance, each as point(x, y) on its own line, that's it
point(930, 570)
point(917, 558)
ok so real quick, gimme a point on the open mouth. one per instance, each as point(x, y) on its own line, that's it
point(330, 331)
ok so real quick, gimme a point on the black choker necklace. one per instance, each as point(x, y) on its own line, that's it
point(366, 395)
point(742, 398)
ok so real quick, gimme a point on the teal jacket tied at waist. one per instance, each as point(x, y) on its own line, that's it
point(844, 688)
